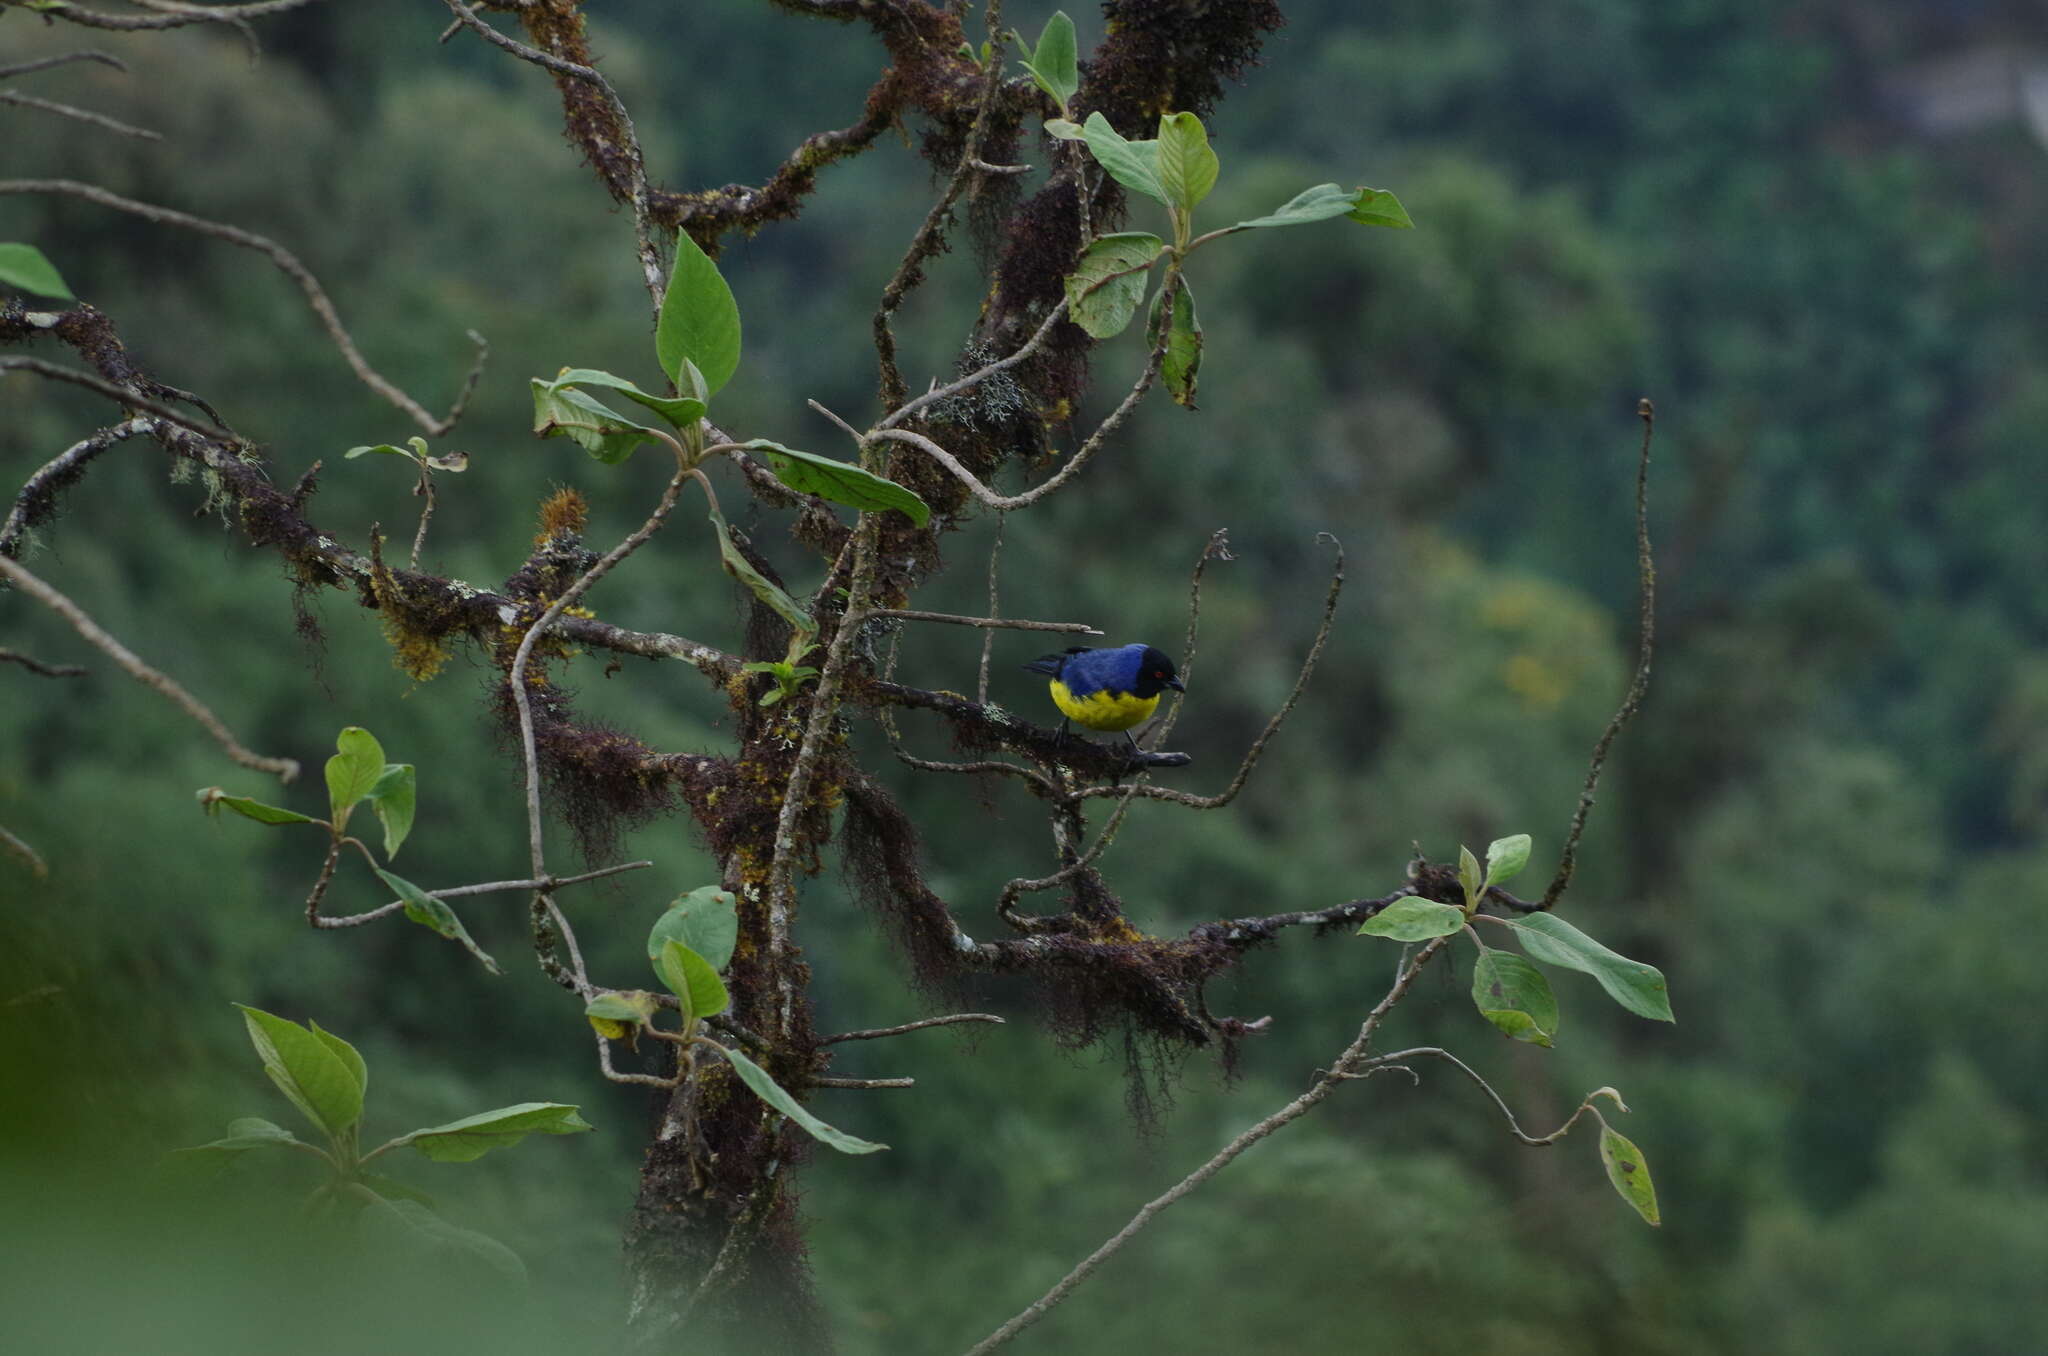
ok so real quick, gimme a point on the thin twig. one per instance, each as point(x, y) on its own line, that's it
point(1326, 1083)
point(113, 392)
point(545, 883)
point(14, 847)
point(988, 641)
point(316, 295)
point(879, 1032)
point(8, 96)
point(1514, 1126)
point(45, 63)
point(181, 17)
point(284, 768)
point(1646, 625)
point(37, 666)
point(861, 1084)
point(989, 623)
point(979, 375)
point(1251, 757)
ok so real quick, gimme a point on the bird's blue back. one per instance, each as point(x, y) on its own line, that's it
point(1094, 671)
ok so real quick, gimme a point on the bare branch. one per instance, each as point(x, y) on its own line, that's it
point(1646, 625)
point(548, 884)
point(979, 375)
point(863, 1083)
point(1251, 757)
point(169, 16)
point(12, 571)
point(316, 295)
point(113, 392)
point(1321, 1088)
point(37, 666)
point(65, 58)
point(14, 847)
point(877, 1033)
point(8, 96)
point(991, 623)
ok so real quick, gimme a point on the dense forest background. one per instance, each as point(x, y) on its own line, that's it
point(1829, 828)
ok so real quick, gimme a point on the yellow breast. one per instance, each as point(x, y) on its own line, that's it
point(1104, 710)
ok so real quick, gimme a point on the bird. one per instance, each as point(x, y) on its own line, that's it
point(1108, 689)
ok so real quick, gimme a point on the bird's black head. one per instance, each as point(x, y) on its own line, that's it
point(1155, 673)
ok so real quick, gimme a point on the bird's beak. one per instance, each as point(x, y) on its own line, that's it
point(1175, 684)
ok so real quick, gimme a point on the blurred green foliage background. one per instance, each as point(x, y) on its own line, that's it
point(1829, 827)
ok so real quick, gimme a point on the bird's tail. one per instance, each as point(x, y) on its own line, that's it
point(1051, 664)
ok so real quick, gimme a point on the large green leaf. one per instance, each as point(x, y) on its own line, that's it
point(1413, 919)
point(1505, 857)
point(1368, 206)
point(700, 322)
point(1182, 361)
point(324, 1085)
point(760, 585)
point(1187, 167)
point(1105, 288)
point(692, 979)
point(599, 430)
point(841, 482)
point(1134, 164)
point(429, 912)
point(706, 920)
point(353, 772)
point(212, 798)
point(1513, 995)
point(1630, 1173)
point(393, 798)
point(474, 1136)
point(1055, 64)
point(681, 411)
point(25, 268)
point(1638, 987)
point(346, 1053)
point(771, 1092)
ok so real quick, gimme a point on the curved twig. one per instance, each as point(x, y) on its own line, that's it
point(316, 295)
point(8, 96)
point(168, 17)
point(34, 501)
point(283, 768)
point(877, 1033)
point(1646, 624)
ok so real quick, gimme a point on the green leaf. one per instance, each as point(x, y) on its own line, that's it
point(1414, 919)
point(1187, 166)
point(430, 912)
point(840, 482)
point(1505, 858)
point(347, 1054)
point(386, 448)
point(1468, 873)
point(1056, 63)
point(323, 1085)
point(700, 322)
point(1377, 207)
point(706, 920)
point(248, 1132)
point(1370, 206)
point(450, 461)
point(392, 798)
point(474, 1136)
point(759, 584)
point(1638, 987)
point(212, 798)
point(412, 1225)
point(1183, 358)
point(634, 1007)
point(769, 1091)
point(597, 429)
point(1513, 995)
point(1630, 1173)
point(681, 411)
point(25, 268)
point(1064, 130)
point(1134, 164)
point(690, 977)
point(1104, 290)
point(353, 772)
